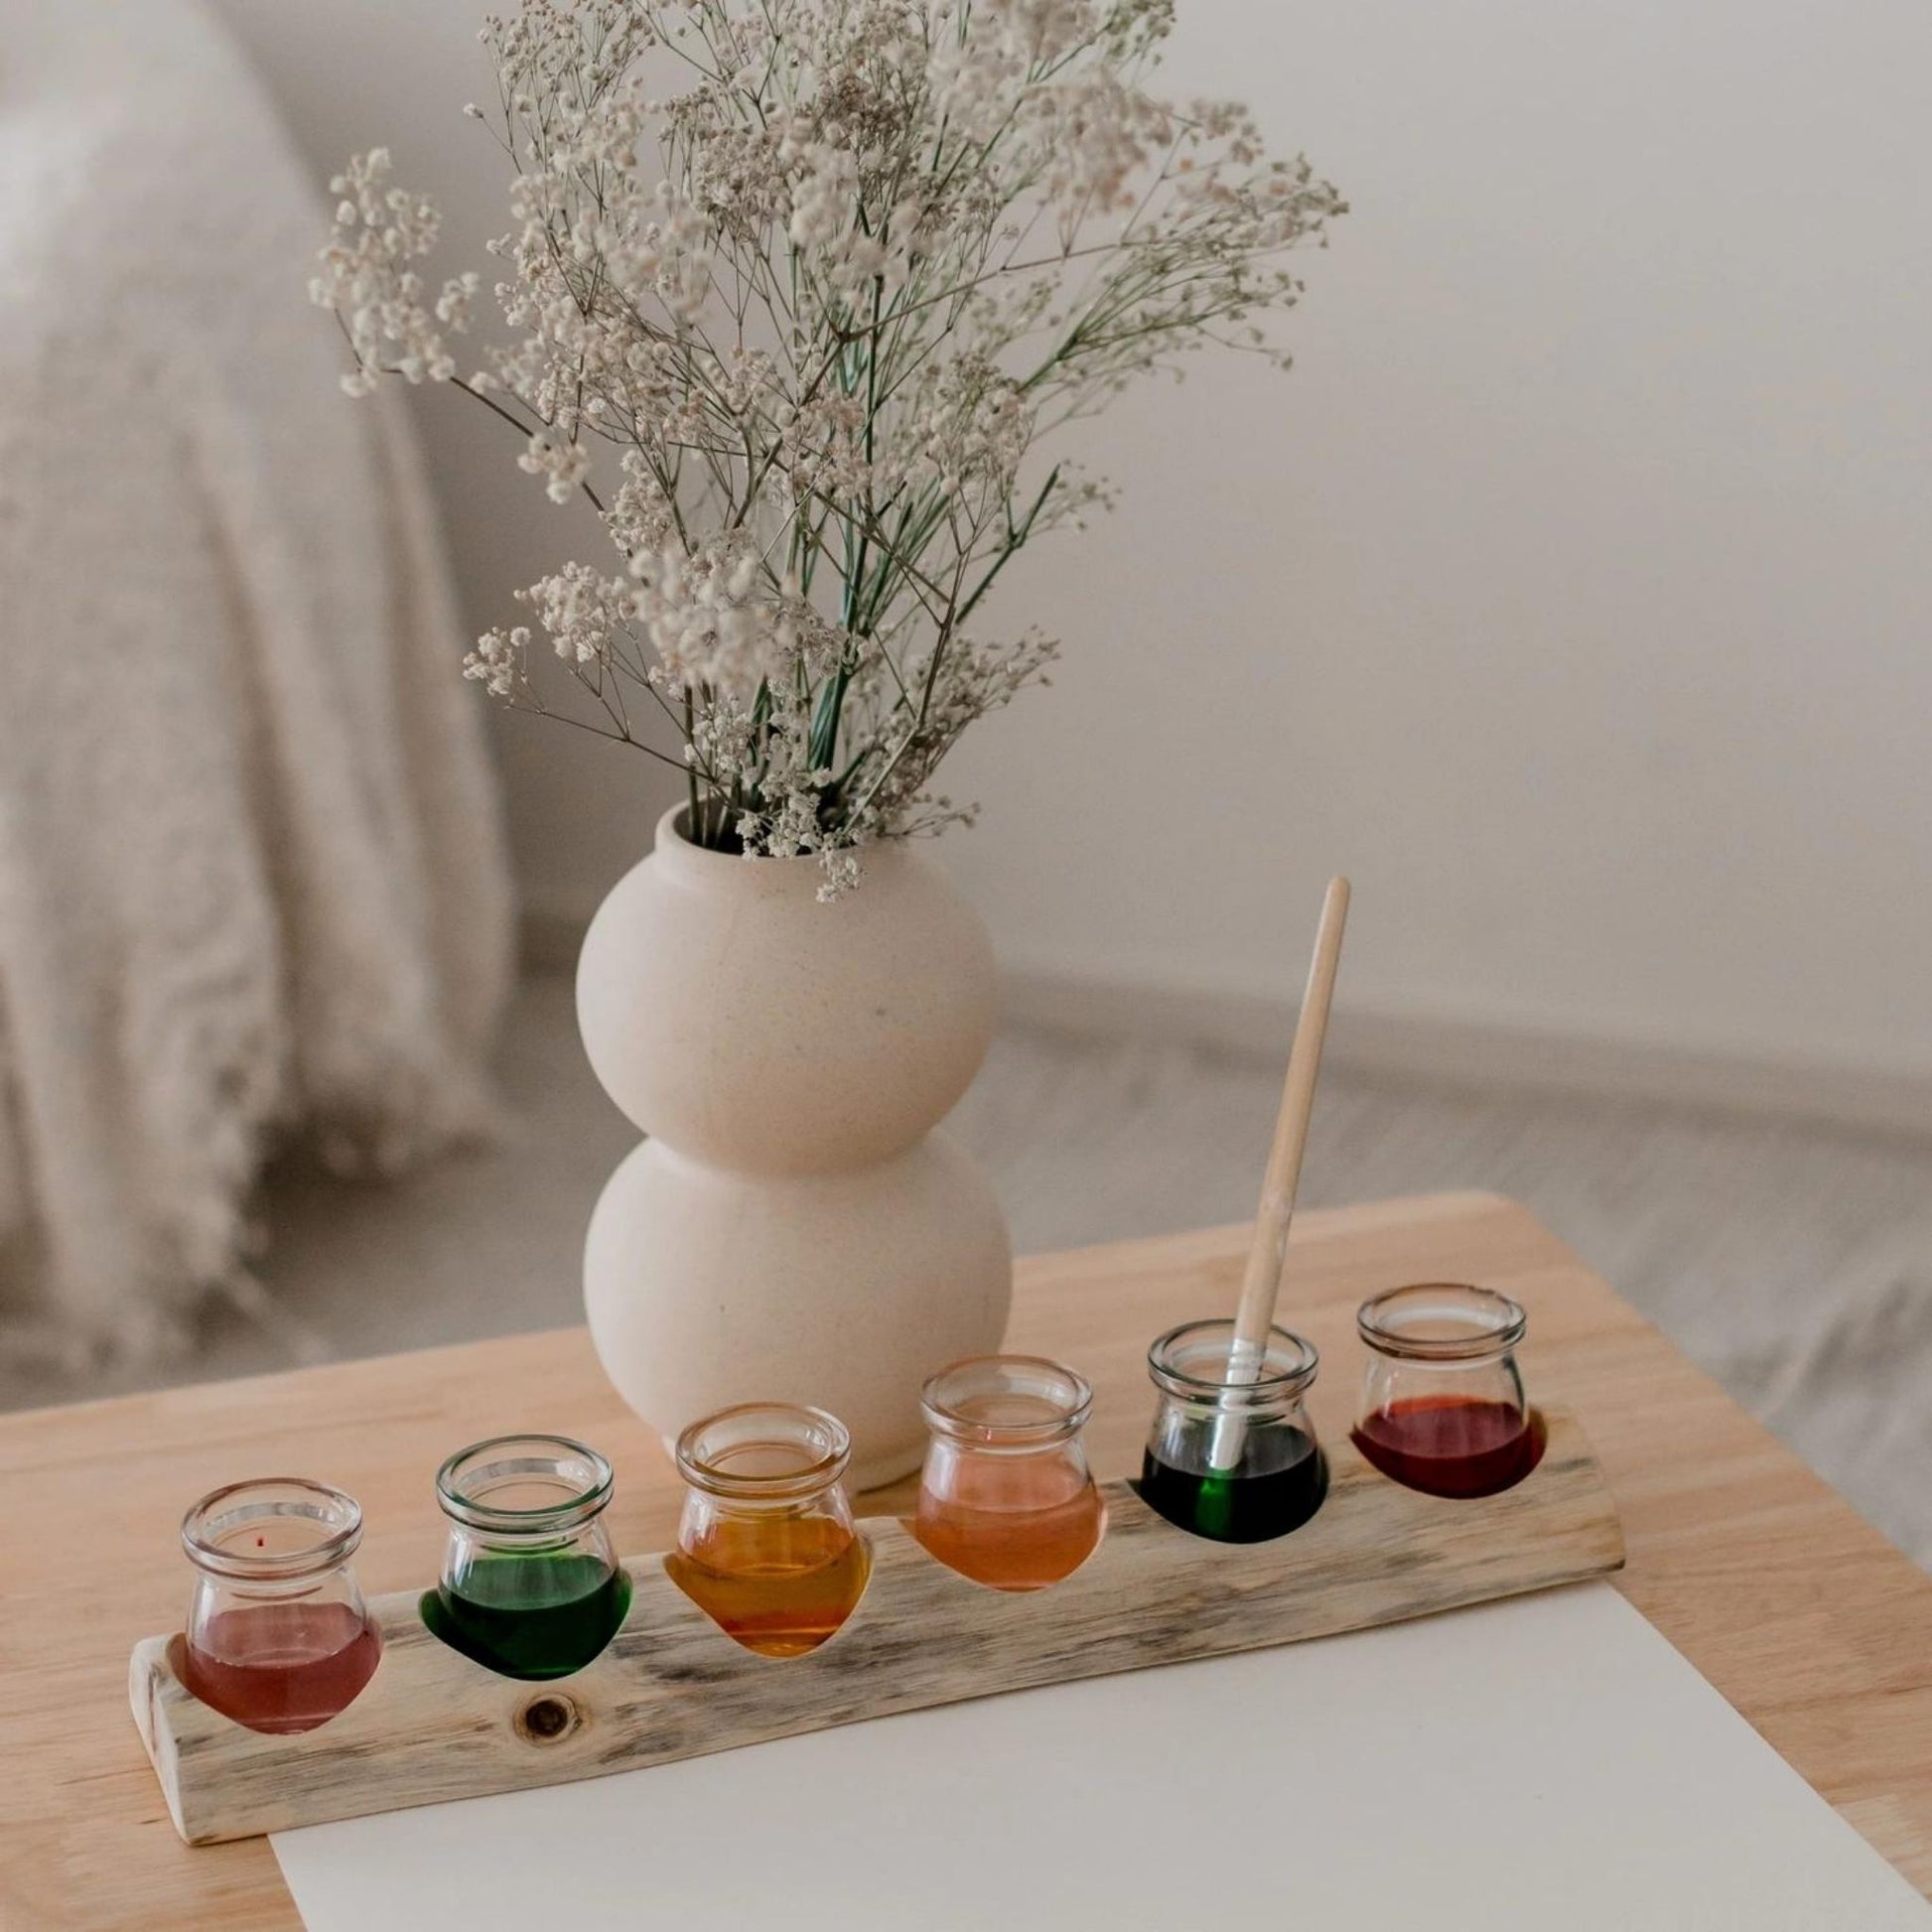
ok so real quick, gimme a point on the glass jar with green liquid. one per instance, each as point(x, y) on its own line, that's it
point(1235, 1462)
point(530, 1586)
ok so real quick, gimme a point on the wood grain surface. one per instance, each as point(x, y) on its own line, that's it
point(1814, 1626)
point(432, 1725)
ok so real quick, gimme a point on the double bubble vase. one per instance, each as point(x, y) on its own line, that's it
point(793, 1228)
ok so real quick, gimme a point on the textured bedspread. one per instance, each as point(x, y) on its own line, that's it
point(251, 878)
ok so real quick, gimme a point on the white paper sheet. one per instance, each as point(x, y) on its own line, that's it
point(1549, 1765)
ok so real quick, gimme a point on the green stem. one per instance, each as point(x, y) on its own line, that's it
point(691, 773)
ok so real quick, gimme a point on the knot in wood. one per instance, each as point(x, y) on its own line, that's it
point(547, 1719)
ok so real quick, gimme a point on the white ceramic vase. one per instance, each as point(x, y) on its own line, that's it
point(793, 1229)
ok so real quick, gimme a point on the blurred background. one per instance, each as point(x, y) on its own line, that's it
point(1571, 595)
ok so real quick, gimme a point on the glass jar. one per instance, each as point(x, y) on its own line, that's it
point(1443, 1407)
point(766, 1546)
point(278, 1635)
point(1006, 1497)
point(1236, 1463)
point(530, 1586)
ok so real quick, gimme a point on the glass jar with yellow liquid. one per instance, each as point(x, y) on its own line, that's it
point(766, 1546)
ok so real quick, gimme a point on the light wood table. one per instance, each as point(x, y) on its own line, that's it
point(1801, 1614)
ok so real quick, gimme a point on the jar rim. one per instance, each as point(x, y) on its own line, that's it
point(1441, 1321)
point(1065, 1393)
point(208, 1524)
point(543, 1459)
point(1286, 1369)
point(818, 1444)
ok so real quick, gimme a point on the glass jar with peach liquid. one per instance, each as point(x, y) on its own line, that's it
point(1006, 1496)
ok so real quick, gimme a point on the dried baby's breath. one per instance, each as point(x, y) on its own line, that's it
point(805, 284)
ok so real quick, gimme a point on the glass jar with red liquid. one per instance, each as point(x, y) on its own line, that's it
point(1443, 1406)
point(1006, 1496)
point(278, 1635)
point(765, 1544)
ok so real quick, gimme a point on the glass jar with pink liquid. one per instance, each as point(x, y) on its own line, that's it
point(278, 1635)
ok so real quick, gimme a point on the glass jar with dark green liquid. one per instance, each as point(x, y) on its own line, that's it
point(1232, 1460)
point(530, 1586)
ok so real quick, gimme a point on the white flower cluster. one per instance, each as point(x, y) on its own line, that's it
point(811, 280)
point(711, 617)
point(367, 279)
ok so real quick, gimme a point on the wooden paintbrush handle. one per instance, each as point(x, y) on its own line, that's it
point(1261, 1284)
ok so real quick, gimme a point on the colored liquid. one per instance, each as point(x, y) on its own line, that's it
point(1013, 1522)
point(530, 1617)
point(1246, 1505)
point(1451, 1445)
point(780, 1584)
point(281, 1667)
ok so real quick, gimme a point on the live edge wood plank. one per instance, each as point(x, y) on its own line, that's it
point(1816, 1628)
point(431, 1725)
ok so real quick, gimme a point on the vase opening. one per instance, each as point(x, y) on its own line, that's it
point(721, 837)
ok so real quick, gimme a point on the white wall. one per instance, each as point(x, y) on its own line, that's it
point(1572, 593)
